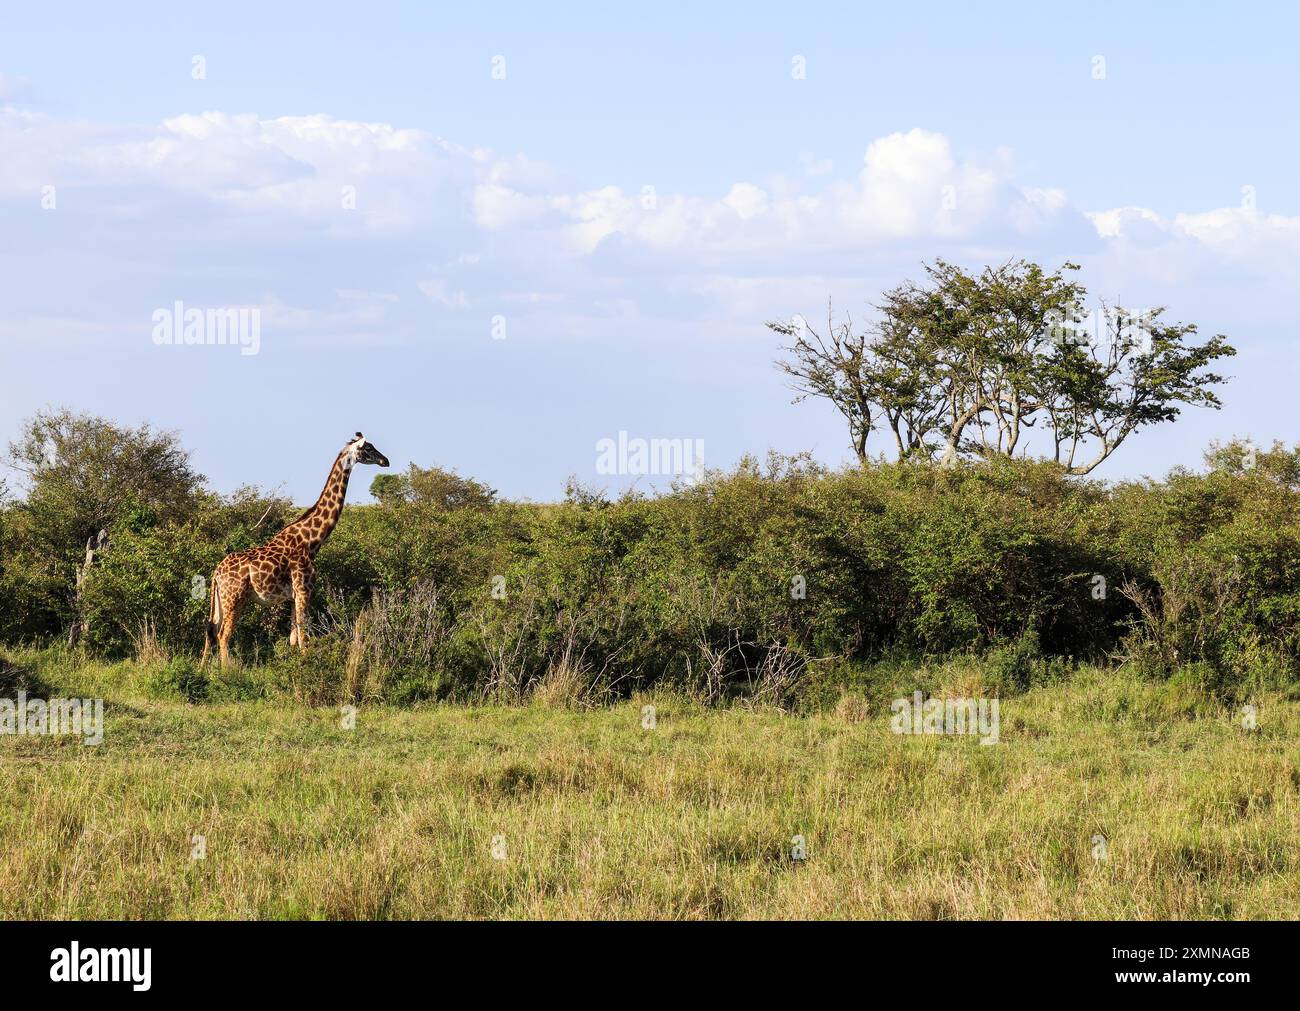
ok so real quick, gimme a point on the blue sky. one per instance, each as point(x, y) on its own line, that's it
point(632, 199)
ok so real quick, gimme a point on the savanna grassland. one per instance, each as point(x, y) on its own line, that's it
point(598, 816)
point(499, 655)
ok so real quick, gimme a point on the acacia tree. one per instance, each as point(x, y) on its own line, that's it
point(972, 364)
point(840, 367)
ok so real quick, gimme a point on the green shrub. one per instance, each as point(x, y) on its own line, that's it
point(180, 677)
point(315, 676)
point(777, 581)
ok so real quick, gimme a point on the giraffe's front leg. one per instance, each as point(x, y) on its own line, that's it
point(303, 576)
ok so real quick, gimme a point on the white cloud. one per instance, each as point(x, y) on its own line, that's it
point(511, 229)
point(746, 199)
point(1120, 221)
point(1232, 229)
point(497, 206)
point(292, 167)
point(1240, 229)
point(910, 187)
point(348, 178)
point(1204, 247)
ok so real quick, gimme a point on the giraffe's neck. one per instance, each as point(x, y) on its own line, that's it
point(318, 521)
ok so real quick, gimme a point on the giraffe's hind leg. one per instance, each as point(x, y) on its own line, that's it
point(233, 596)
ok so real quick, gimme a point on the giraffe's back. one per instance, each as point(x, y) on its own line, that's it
point(265, 569)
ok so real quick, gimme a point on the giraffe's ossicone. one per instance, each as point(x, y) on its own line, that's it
point(284, 567)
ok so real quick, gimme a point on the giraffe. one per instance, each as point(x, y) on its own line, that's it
point(283, 568)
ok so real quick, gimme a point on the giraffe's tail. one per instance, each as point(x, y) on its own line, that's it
point(214, 620)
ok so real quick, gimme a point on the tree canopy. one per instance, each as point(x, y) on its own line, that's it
point(85, 474)
point(967, 364)
point(444, 489)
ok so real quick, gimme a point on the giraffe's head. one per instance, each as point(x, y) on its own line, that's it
point(361, 451)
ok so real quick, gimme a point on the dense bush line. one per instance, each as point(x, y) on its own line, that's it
point(766, 581)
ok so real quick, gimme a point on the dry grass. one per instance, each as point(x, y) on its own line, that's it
point(146, 646)
point(693, 819)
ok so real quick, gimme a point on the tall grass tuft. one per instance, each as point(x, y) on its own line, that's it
point(146, 647)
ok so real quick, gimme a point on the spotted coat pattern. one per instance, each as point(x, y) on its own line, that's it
point(284, 567)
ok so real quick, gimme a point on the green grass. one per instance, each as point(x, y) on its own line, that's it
point(693, 819)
